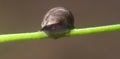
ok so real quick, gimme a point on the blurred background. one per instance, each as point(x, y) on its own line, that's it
point(19, 16)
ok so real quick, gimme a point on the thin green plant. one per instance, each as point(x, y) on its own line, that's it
point(40, 35)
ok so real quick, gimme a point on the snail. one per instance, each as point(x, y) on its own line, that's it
point(57, 21)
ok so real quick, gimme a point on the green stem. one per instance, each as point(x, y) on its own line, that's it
point(74, 32)
point(94, 30)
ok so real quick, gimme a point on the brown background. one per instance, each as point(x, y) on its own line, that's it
point(18, 16)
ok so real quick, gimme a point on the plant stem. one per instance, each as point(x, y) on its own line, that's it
point(74, 32)
point(94, 30)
